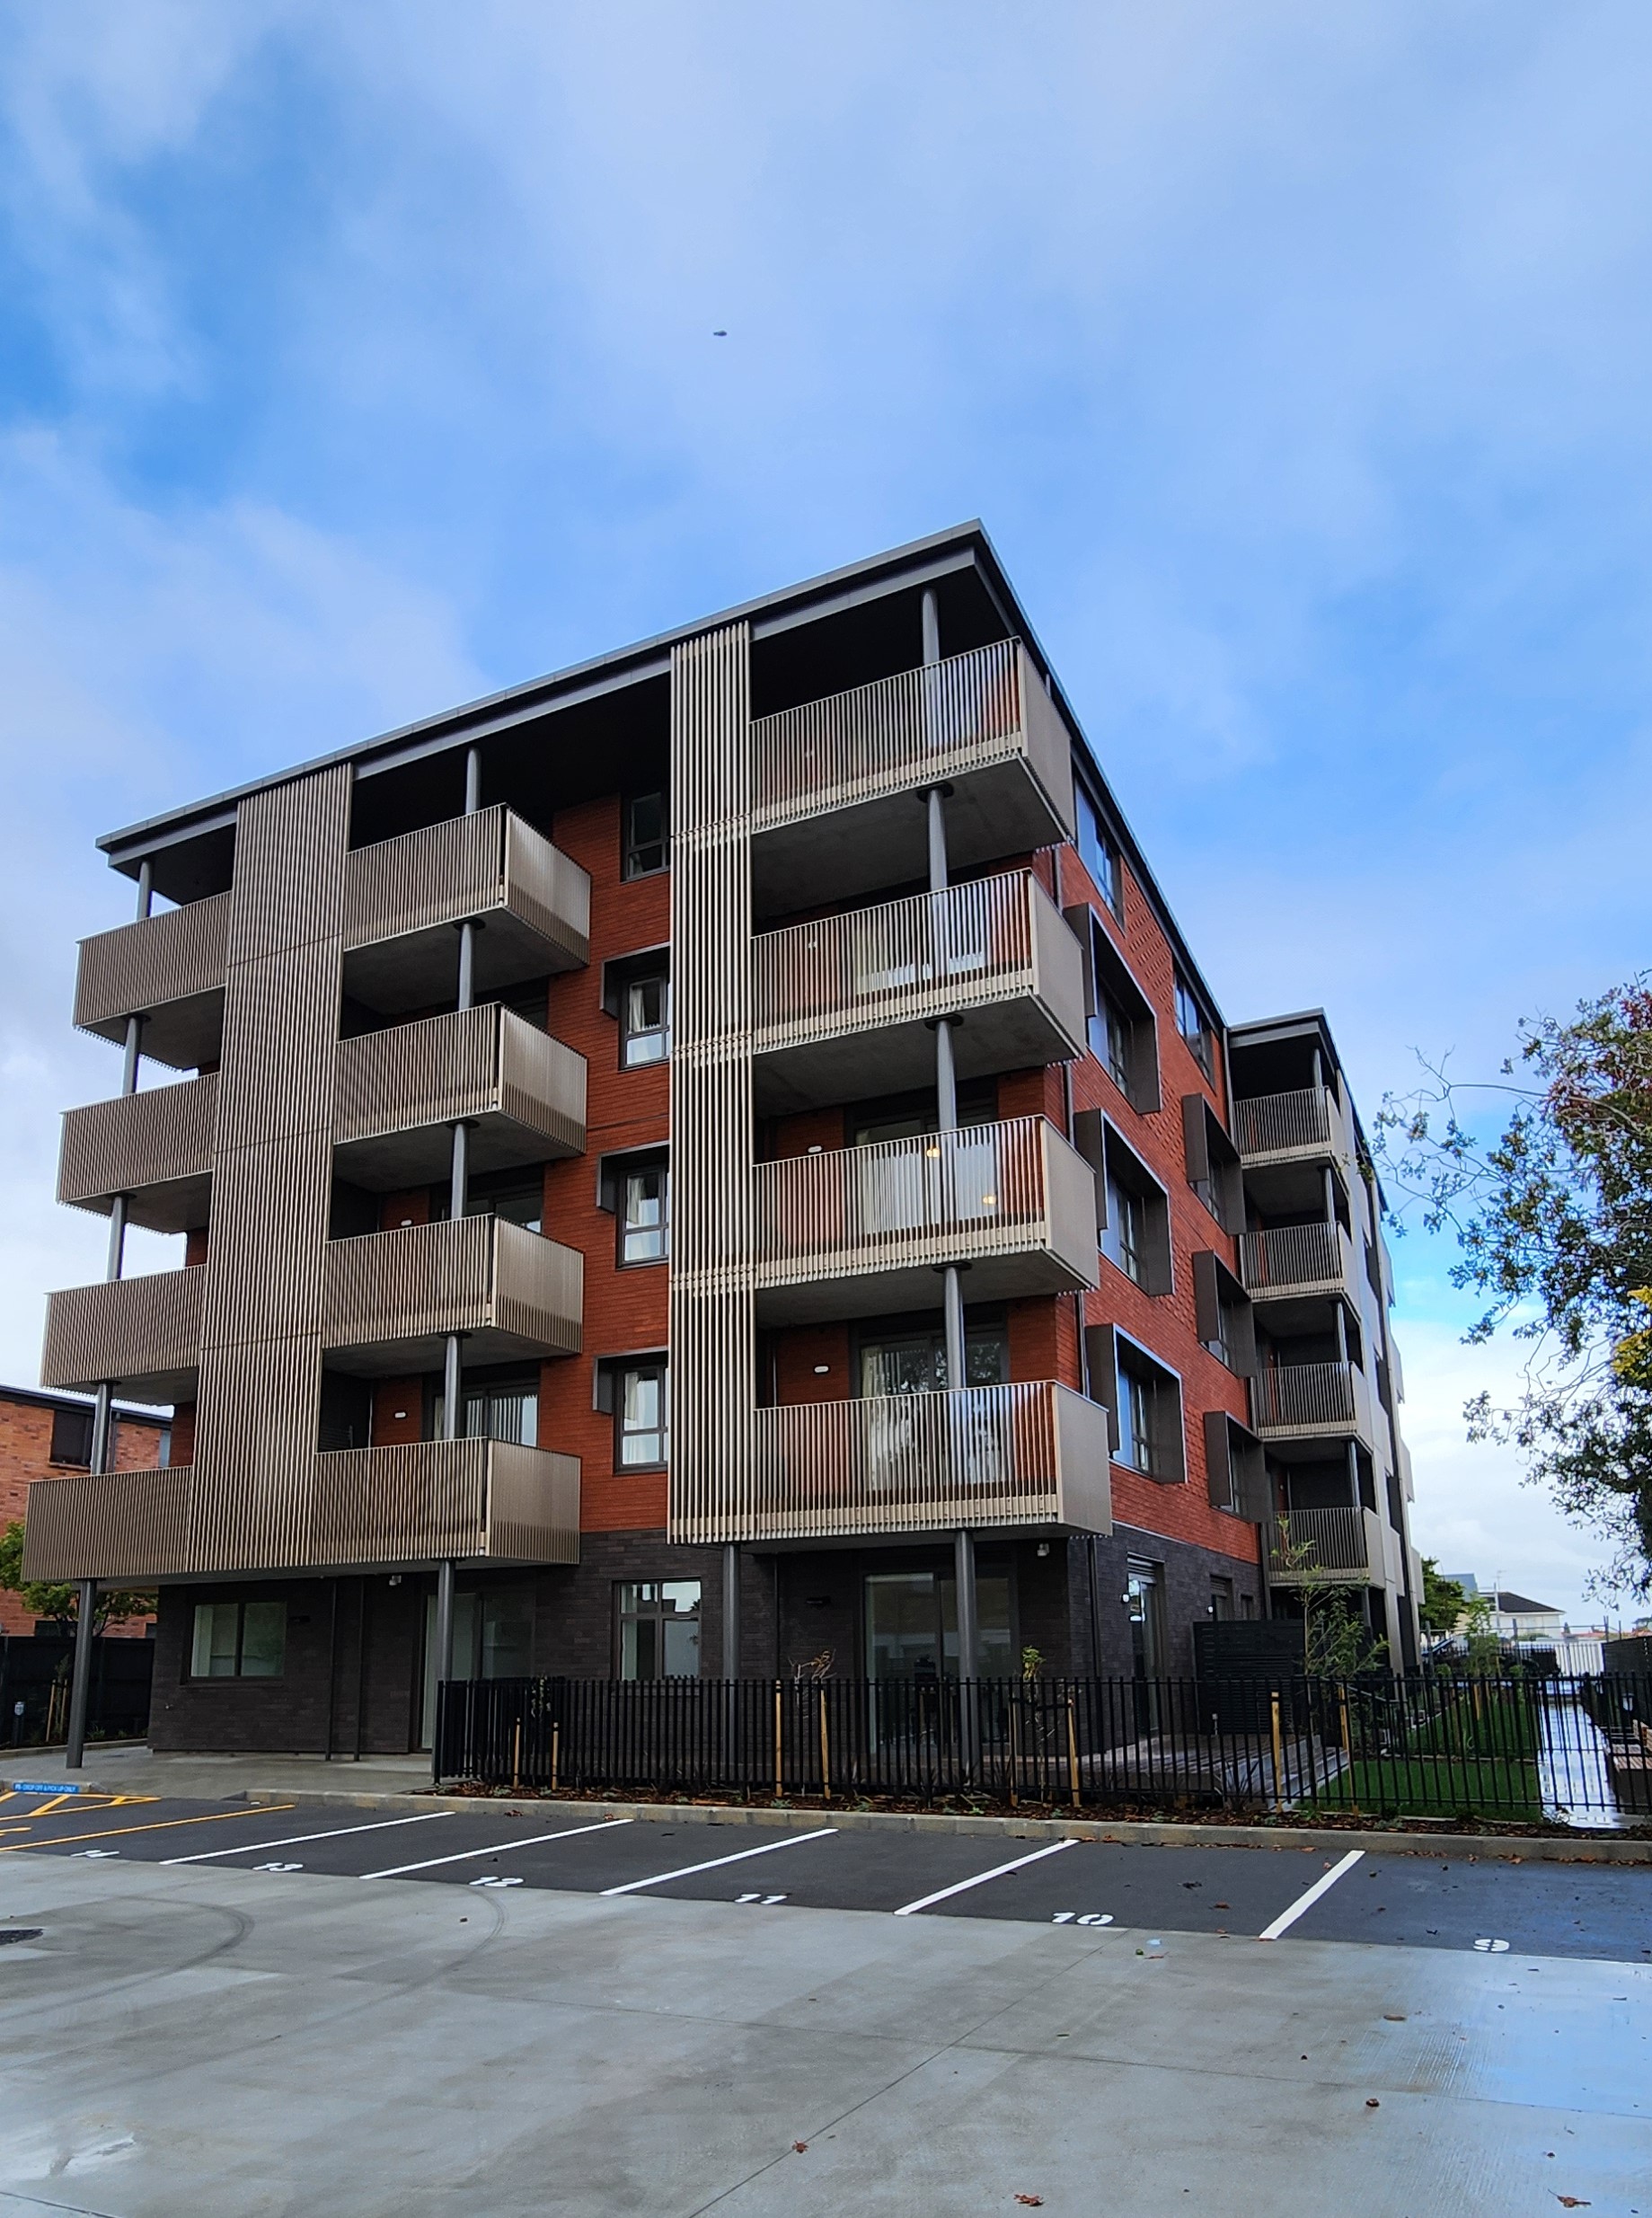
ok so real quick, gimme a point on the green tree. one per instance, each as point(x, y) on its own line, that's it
point(60, 1601)
point(1444, 1601)
point(1553, 1219)
point(1336, 1642)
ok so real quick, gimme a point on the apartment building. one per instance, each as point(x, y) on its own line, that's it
point(715, 1162)
point(42, 1434)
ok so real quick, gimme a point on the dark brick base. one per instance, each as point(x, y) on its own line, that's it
point(363, 1695)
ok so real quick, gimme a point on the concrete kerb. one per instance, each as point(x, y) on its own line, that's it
point(1531, 1848)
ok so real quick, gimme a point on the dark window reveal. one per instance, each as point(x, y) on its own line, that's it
point(71, 1437)
point(645, 834)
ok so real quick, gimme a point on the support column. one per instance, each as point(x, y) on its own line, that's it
point(731, 1611)
point(969, 1651)
point(444, 1654)
point(80, 1686)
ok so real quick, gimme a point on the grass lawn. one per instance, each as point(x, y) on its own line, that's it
point(1436, 1787)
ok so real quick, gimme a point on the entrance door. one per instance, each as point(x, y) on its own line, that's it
point(492, 1639)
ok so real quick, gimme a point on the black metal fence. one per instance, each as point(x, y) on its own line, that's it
point(35, 1670)
point(1519, 1747)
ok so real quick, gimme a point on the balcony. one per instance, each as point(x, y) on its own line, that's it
point(142, 1333)
point(1308, 1544)
point(1296, 1262)
point(834, 811)
point(474, 1501)
point(1032, 1455)
point(863, 1231)
point(477, 1501)
point(843, 1007)
point(168, 968)
point(1290, 1127)
point(1306, 1400)
point(155, 1147)
point(403, 896)
point(389, 1300)
point(396, 1092)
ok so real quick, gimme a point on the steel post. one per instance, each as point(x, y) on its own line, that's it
point(80, 1686)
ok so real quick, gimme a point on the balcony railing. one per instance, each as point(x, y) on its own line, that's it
point(1306, 1121)
point(395, 1091)
point(919, 726)
point(1306, 1544)
point(155, 1146)
point(482, 1501)
point(1312, 1398)
point(995, 948)
point(430, 1500)
point(535, 901)
point(390, 1299)
point(168, 968)
point(1013, 1195)
point(1030, 1455)
point(1293, 1257)
point(142, 1333)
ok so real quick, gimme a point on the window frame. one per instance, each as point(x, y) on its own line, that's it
point(653, 1165)
point(657, 1615)
point(240, 1606)
point(1110, 984)
point(630, 846)
point(1167, 1442)
point(1184, 999)
point(1106, 850)
point(1123, 1172)
point(83, 1420)
point(611, 1373)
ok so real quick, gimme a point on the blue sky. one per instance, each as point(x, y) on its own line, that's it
point(358, 360)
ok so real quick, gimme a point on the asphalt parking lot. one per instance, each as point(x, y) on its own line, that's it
point(1398, 1900)
point(251, 2010)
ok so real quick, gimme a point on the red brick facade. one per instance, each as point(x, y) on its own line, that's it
point(25, 1455)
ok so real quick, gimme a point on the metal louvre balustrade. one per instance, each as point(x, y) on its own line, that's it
point(1305, 1122)
point(403, 895)
point(395, 1093)
point(169, 968)
point(1309, 1398)
point(938, 721)
point(142, 1333)
point(155, 1147)
point(485, 1501)
point(110, 1525)
point(389, 1300)
point(1293, 1258)
point(1026, 1454)
point(832, 781)
point(847, 1000)
point(1304, 1545)
point(865, 1227)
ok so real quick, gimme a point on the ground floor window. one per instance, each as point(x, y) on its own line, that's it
point(492, 1639)
point(239, 1641)
point(912, 1625)
point(659, 1628)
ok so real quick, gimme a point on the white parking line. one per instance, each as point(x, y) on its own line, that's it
point(498, 1848)
point(1321, 1885)
point(981, 1878)
point(291, 1840)
point(795, 1840)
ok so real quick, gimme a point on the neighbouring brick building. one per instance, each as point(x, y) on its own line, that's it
point(44, 1436)
point(717, 1159)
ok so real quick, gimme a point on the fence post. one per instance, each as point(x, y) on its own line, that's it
point(779, 1744)
point(1278, 1753)
point(515, 1758)
point(1071, 1753)
point(556, 1736)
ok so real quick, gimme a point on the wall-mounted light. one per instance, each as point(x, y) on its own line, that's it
point(821, 1370)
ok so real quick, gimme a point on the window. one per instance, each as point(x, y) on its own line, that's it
point(516, 1196)
point(645, 1021)
point(1149, 1411)
point(239, 1641)
point(659, 1628)
point(502, 1408)
point(644, 1230)
point(914, 1361)
point(1124, 1239)
point(1098, 854)
point(1190, 1023)
point(911, 1621)
point(642, 1436)
point(645, 834)
point(1110, 1041)
point(1222, 1312)
point(1213, 1164)
point(1135, 1237)
point(1123, 1037)
point(71, 1437)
